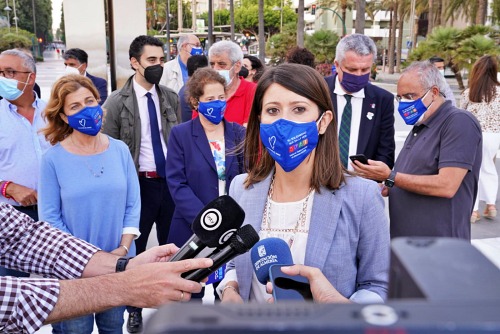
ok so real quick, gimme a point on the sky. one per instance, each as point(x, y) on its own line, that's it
point(56, 14)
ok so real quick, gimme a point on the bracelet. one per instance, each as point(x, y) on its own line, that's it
point(126, 248)
point(228, 287)
point(4, 189)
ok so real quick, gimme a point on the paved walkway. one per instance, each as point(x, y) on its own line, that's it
point(485, 234)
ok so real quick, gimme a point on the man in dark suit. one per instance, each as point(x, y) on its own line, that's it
point(365, 113)
point(76, 60)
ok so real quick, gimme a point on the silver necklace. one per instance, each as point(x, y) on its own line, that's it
point(300, 226)
point(86, 160)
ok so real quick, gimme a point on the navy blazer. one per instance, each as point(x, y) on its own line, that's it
point(376, 130)
point(191, 172)
point(101, 85)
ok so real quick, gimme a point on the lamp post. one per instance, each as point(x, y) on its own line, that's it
point(7, 9)
point(15, 18)
point(281, 15)
point(341, 20)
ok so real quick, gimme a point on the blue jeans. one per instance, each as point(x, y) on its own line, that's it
point(108, 322)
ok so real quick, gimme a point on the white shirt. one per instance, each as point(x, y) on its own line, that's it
point(357, 106)
point(146, 155)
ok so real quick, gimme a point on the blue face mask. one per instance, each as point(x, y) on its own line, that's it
point(289, 143)
point(213, 110)
point(196, 51)
point(87, 121)
point(412, 111)
point(9, 90)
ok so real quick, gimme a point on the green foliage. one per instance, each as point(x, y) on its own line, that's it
point(221, 17)
point(278, 45)
point(11, 41)
point(322, 44)
point(246, 17)
point(157, 13)
point(43, 12)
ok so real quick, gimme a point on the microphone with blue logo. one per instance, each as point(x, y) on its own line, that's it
point(268, 256)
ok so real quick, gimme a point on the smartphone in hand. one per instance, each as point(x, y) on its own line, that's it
point(286, 287)
point(359, 157)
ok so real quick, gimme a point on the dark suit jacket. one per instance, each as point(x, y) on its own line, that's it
point(376, 132)
point(191, 172)
point(101, 85)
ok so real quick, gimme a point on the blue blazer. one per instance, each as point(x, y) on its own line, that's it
point(376, 132)
point(348, 236)
point(101, 85)
point(191, 172)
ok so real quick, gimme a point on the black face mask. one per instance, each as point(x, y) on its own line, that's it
point(153, 73)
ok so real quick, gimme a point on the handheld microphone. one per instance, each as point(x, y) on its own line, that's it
point(239, 243)
point(268, 252)
point(268, 256)
point(212, 227)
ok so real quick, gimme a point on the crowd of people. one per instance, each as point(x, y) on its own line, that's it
point(86, 176)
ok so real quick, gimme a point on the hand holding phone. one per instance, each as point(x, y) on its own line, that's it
point(359, 157)
point(286, 287)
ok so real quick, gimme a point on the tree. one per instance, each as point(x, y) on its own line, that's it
point(156, 14)
point(360, 16)
point(323, 44)
point(222, 17)
point(278, 45)
point(459, 48)
point(43, 12)
point(10, 40)
point(300, 24)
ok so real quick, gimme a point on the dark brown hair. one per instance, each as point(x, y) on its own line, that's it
point(195, 87)
point(298, 55)
point(483, 79)
point(305, 81)
point(57, 129)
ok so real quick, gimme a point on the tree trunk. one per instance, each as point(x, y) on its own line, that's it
point(458, 76)
point(481, 12)
point(231, 15)
point(430, 24)
point(360, 16)
point(437, 14)
point(179, 16)
point(193, 14)
point(392, 36)
point(399, 43)
point(415, 34)
point(300, 24)
point(343, 11)
point(262, 36)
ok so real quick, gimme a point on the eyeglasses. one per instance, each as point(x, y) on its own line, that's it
point(410, 96)
point(9, 74)
point(194, 44)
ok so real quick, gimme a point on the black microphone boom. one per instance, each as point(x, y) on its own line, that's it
point(240, 243)
point(212, 227)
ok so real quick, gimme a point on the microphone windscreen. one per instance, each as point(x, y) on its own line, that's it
point(244, 239)
point(268, 252)
point(218, 221)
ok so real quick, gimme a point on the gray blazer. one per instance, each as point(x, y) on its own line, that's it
point(122, 120)
point(348, 235)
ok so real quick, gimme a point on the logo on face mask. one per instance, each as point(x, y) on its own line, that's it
point(195, 50)
point(87, 121)
point(412, 111)
point(213, 110)
point(289, 143)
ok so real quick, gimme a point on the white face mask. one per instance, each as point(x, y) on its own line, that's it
point(71, 70)
point(442, 72)
point(226, 75)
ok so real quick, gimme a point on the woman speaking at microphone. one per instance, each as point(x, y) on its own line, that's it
point(88, 185)
point(296, 189)
point(202, 154)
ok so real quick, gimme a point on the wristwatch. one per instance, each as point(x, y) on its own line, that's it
point(121, 264)
point(390, 180)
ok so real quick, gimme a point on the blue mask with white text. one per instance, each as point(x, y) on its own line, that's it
point(289, 143)
point(212, 110)
point(87, 121)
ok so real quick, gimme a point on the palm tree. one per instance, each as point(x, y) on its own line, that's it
point(300, 24)
point(430, 24)
point(360, 16)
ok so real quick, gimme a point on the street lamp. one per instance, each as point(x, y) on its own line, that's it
point(15, 18)
point(281, 15)
point(7, 9)
point(341, 20)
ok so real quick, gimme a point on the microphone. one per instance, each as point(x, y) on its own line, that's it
point(268, 252)
point(268, 256)
point(212, 227)
point(239, 243)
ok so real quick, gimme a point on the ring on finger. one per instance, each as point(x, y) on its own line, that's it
point(182, 296)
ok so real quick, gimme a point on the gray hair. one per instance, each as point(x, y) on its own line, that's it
point(28, 61)
point(232, 49)
point(360, 44)
point(182, 39)
point(428, 74)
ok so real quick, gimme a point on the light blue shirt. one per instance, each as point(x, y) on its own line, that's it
point(21, 146)
point(184, 70)
point(77, 198)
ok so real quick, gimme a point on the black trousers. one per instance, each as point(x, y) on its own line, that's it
point(157, 207)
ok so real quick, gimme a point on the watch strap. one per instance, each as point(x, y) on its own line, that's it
point(121, 264)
